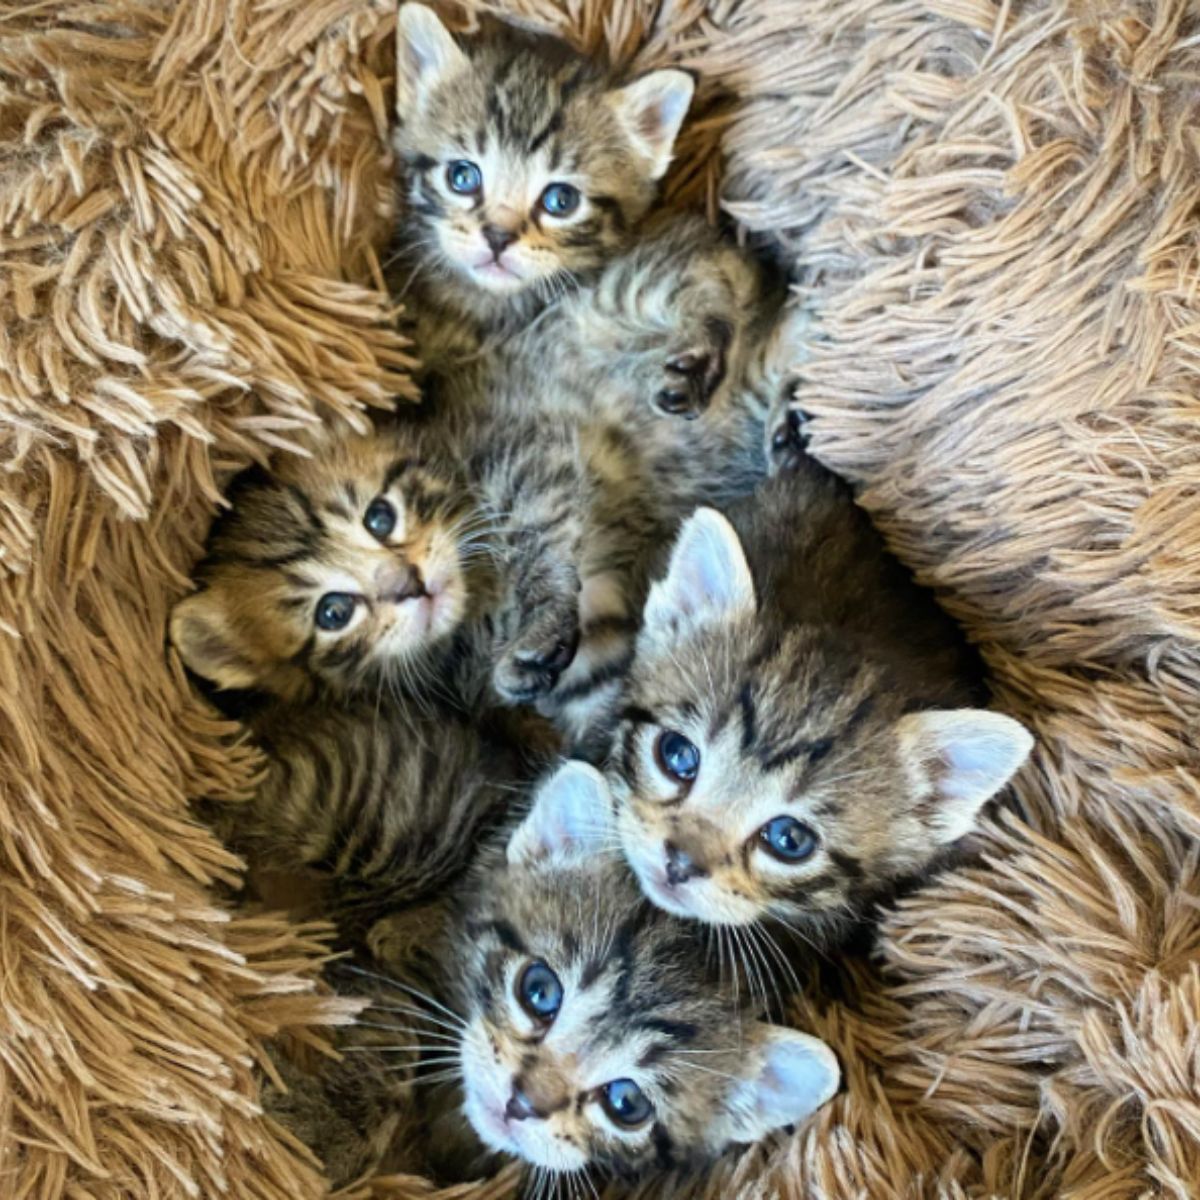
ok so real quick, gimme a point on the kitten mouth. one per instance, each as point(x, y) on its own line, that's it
point(491, 270)
point(664, 894)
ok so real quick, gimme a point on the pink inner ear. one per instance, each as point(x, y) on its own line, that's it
point(649, 123)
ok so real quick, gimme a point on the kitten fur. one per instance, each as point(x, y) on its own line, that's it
point(532, 492)
point(527, 112)
point(816, 682)
point(352, 813)
point(643, 1000)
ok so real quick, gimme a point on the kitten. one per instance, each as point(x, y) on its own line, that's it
point(800, 731)
point(525, 167)
point(585, 1029)
point(421, 560)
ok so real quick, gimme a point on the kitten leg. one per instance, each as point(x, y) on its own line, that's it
point(583, 703)
point(535, 487)
point(669, 321)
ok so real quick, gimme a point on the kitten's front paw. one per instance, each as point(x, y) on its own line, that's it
point(694, 373)
point(788, 441)
point(531, 666)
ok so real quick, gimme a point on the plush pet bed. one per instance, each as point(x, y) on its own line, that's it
point(994, 211)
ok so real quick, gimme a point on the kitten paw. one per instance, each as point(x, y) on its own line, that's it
point(531, 667)
point(788, 442)
point(695, 373)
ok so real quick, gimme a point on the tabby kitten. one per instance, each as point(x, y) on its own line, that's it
point(585, 1028)
point(800, 730)
point(525, 166)
point(426, 560)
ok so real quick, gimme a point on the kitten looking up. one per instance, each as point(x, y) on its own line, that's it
point(800, 731)
point(525, 164)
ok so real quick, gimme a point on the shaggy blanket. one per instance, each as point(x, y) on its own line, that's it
point(994, 212)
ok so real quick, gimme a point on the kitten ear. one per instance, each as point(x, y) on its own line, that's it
point(964, 756)
point(570, 819)
point(651, 109)
point(708, 576)
point(426, 54)
point(207, 643)
point(788, 1075)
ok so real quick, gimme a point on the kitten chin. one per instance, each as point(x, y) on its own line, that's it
point(800, 732)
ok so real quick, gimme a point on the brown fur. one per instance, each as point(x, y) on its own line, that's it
point(810, 686)
point(527, 112)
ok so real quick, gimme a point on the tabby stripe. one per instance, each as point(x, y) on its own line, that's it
point(508, 936)
point(612, 207)
point(638, 715)
point(846, 863)
point(680, 1031)
point(602, 675)
point(552, 126)
point(749, 716)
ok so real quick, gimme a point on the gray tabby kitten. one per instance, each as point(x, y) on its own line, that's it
point(559, 1018)
point(801, 731)
point(525, 168)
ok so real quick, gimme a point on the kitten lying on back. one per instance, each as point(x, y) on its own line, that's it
point(585, 1029)
point(526, 165)
point(800, 731)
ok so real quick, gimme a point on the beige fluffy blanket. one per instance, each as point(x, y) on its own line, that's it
point(995, 213)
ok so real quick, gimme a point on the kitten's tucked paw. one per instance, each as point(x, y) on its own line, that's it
point(531, 666)
point(789, 442)
point(695, 373)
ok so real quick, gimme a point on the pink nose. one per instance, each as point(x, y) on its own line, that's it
point(397, 581)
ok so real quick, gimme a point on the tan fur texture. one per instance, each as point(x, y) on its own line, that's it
point(994, 209)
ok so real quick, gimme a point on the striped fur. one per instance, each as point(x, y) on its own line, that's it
point(798, 686)
point(446, 1043)
point(526, 112)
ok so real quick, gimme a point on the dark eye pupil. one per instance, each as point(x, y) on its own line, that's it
point(679, 757)
point(334, 610)
point(464, 177)
point(789, 838)
point(380, 519)
point(626, 1102)
point(540, 991)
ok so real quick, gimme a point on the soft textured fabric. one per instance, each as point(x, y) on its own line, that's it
point(994, 212)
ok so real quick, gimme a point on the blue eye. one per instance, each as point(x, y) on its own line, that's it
point(626, 1103)
point(464, 177)
point(788, 839)
point(540, 992)
point(677, 757)
point(334, 610)
point(560, 199)
point(380, 518)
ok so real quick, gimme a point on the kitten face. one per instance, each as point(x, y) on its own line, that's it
point(336, 570)
point(764, 773)
point(524, 163)
point(597, 1032)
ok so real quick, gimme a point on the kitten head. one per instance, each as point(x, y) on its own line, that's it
point(524, 162)
point(334, 571)
point(782, 772)
point(597, 1030)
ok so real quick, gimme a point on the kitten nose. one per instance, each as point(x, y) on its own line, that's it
point(498, 239)
point(399, 581)
point(519, 1106)
point(681, 866)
